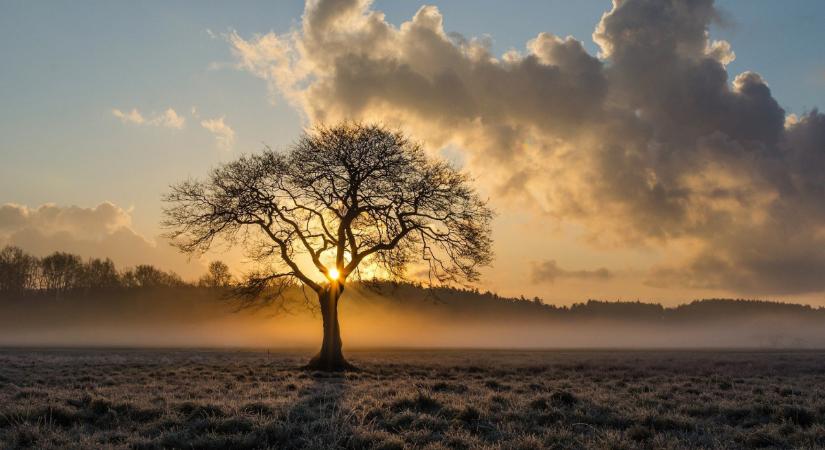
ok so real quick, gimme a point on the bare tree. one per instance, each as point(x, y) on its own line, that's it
point(342, 199)
point(218, 276)
point(61, 272)
point(148, 276)
point(100, 274)
point(18, 271)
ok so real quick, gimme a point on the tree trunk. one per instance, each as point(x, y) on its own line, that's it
point(330, 358)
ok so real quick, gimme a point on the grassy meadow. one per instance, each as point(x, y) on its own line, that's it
point(154, 399)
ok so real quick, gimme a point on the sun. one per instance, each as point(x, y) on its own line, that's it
point(333, 273)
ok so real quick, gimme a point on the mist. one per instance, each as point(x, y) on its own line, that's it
point(398, 317)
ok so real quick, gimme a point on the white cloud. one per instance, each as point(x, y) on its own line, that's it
point(133, 116)
point(101, 231)
point(169, 119)
point(166, 119)
point(224, 134)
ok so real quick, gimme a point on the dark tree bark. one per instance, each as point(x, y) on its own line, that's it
point(330, 358)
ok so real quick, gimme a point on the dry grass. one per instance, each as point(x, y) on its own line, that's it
point(456, 399)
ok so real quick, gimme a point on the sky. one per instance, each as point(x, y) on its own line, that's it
point(620, 168)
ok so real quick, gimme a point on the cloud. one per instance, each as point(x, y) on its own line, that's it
point(169, 119)
point(132, 116)
point(224, 134)
point(102, 231)
point(650, 143)
point(166, 119)
point(549, 271)
point(49, 218)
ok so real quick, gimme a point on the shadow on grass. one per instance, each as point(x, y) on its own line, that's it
point(318, 418)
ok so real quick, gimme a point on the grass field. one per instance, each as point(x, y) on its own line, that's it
point(412, 399)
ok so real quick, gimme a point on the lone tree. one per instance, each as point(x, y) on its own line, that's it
point(340, 199)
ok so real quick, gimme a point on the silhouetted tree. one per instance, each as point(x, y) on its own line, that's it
point(360, 195)
point(61, 272)
point(18, 271)
point(100, 274)
point(218, 276)
point(146, 276)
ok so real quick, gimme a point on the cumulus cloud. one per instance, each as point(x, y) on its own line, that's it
point(166, 119)
point(102, 231)
point(649, 143)
point(549, 271)
point(224, 134)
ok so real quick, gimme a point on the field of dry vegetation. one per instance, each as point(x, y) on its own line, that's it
point(412, 399)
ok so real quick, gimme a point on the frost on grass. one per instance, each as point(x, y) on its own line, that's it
point(448, 399)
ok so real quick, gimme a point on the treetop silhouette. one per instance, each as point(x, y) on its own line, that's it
point(341, 199)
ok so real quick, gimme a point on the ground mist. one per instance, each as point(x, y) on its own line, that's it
point(403, 316)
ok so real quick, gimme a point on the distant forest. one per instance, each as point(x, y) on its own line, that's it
point(62, 273)
point(67, 275)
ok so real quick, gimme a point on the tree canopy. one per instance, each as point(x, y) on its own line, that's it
point(340, 197)
point(341, 200)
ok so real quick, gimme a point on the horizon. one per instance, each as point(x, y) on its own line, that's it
point(202, 281)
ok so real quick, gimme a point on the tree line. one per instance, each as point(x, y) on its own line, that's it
point(486, 302)
point(61, 272)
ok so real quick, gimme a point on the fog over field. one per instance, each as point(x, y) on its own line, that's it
point(401, 316)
